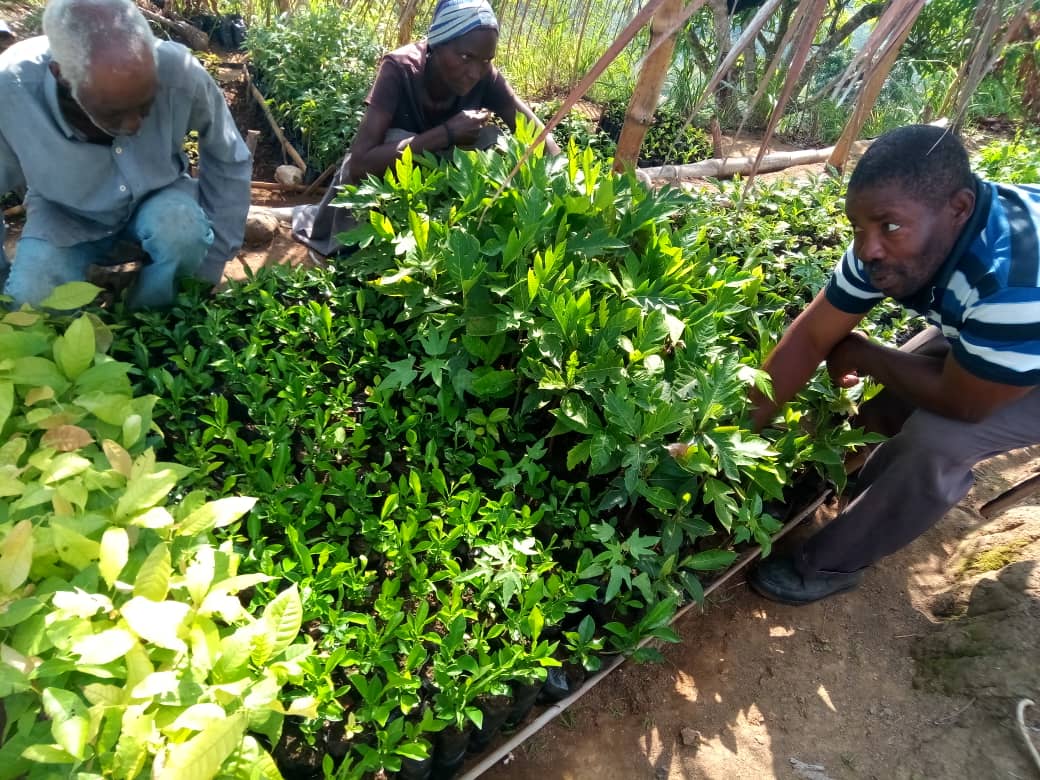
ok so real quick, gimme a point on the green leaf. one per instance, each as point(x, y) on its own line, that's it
point(709, 560)
point(493, 384)
point(153, 579)
point(401, 375)
point(48, 754)
point(74, 352)
point(69, 724)
point(201, 757)
point(283, 618)
point(579, 453)
point(71, 295)
point(115, 552)
point(535, 621)
point(215, 514)
point(16, 556)
point(38, 372)
point(6, 402)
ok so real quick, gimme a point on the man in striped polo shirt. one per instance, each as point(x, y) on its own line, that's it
point(965, 254)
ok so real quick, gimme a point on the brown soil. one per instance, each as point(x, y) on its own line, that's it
point(914, 675)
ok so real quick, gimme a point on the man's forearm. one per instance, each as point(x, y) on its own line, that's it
point(790, 366)
point(917, 379)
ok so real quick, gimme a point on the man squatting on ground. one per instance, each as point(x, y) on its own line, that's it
point(93, 123)
point(964, 253)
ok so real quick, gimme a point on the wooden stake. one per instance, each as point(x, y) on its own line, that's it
point(288, 147)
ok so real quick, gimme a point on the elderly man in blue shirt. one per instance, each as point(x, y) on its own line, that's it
point(94, 120)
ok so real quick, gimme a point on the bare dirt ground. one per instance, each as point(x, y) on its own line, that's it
point(914, 675)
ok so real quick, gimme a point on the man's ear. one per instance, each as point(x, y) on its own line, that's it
point(962, 205)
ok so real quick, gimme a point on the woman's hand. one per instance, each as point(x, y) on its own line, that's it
point(463, 128)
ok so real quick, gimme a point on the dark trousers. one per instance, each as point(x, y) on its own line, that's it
point(912, 480)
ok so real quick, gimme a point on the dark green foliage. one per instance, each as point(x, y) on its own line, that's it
point(670, 140)
point(315, 67)
point(578, 127)
point(460, 435)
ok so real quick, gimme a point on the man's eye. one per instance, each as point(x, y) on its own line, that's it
point(891, 227)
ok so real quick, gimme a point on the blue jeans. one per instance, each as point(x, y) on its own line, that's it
point(169, 225)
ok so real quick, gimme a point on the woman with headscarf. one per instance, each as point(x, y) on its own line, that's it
point(432, 95)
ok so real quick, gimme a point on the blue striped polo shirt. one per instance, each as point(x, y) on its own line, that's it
point(985, 297)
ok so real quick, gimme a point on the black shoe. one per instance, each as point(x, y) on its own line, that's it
point(778, 579)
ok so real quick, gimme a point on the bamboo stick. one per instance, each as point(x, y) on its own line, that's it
point(321, 179)
point(288, 147)
point(1010, 497)
point(722, 167)
point(868, 96)
point(640, 113)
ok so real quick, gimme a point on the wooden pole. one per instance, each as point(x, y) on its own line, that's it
point(275, 186)
point(640, 114)
point(868, 97)
point(288, 147)
point(731, 166)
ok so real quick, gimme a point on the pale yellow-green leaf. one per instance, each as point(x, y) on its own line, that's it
point(6, 402)
point(75, 492)
point(259, 762)
point(228, 607)
point(65, 465)
point(201, 757)
point(263, 693)
point(36, 395)
point(156, 684)
point(138, 666)
point(133, 429)
point(263, 645)
point(69, 725)
point(156, 517)
point(215, 514)
point(239, 582)
point(199, 574)
point(12, 450)
point(204, 641)
point(138, 730)
point(16, 556)
point(115, 552)
point(283, 618)
point(23, 663)
point(158, 622)
point(105, 647)
point(48, 754)
point(74, 351)
point(197, 717)
point(153, 579)
point(80, 604)
point(303, 707)
point(118, 457)
point(73, 547)
point(10, 484)
point(21, 319)
point(145, 491)
point(234, 654)
point(107, 695)
point(71, 295)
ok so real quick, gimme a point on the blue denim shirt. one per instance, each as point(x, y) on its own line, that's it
point(79, 191)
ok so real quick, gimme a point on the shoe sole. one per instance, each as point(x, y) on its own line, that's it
point(793, 602)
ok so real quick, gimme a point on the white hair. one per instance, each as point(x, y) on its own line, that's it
point(77, 29)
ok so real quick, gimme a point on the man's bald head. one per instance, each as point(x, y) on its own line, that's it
point(105, 52)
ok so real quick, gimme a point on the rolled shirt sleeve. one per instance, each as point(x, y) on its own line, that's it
point(225, 169)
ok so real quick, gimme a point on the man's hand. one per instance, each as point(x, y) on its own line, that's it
point(845, 363)
point(465, 126)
